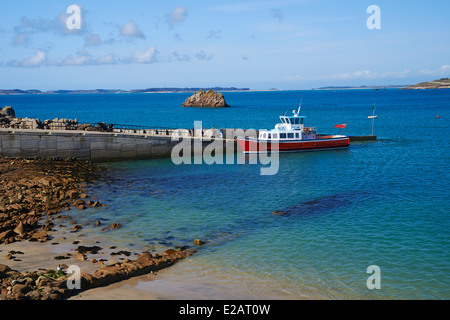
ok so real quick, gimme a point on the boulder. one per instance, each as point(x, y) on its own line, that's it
point(209, 99)
point(4, 269)
point(8, 111)
point(199, 242)
point(145, 258)
point(4, 236)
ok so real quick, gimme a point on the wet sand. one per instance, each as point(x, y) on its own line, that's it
point(38, 236)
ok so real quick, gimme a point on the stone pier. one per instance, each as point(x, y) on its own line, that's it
point(91, 146)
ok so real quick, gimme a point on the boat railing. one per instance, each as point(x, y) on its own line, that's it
point(310, 129)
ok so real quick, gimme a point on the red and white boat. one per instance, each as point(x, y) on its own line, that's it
point(291, 135)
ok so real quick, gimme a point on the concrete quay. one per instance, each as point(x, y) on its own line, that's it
point(114, 146)
point(94, 146)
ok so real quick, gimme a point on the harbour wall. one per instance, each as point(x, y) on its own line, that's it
point(97, 146)
point(112, 146)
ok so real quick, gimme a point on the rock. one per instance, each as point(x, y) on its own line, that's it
point(279, 213)
point(4, 236)
point(8, 111)
point(21, 288)
point(78, 202)
point(210, 99)
point(76, 227)
point(80, 257)
point(61, 257)
point(199, 242)
point(169, 252)
point(20, 229)
point(85, 249)
point(116, 226)
point(72, 194)
point(145, 258)
point(4, 269)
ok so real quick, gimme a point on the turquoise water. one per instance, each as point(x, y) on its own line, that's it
point(383, 203)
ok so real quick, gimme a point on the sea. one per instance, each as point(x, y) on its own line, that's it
point(369, 222)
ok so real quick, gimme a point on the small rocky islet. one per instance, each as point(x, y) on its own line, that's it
point(208, 99)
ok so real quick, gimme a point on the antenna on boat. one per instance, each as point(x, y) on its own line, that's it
point(300, 106)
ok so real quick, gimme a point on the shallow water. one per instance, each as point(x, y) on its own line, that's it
point(380, 203)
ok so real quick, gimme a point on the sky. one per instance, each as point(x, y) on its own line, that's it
point(260, 45)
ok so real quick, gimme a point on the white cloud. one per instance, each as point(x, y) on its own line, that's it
point(81, 58)
point(444, 70)
point(294, 78)
point(251, 6)
point(34, 61)
point(107, 59)
point(202, 55)
point(84, 58)
point(214, 34)
point(177, 15)
point(147, 56)
point(131, 30)
point(277, 14)
point(21, 38)
point(184, 57)
point(177, 37)
point(364, 74)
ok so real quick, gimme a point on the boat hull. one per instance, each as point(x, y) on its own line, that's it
point(252, 145)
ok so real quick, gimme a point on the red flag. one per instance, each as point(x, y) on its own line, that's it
point(342, 126)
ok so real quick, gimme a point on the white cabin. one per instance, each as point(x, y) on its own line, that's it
point(290, 128)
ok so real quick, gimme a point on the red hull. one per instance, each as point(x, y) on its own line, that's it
point(253, 145)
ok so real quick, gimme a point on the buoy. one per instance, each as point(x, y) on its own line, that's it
point(437, 117)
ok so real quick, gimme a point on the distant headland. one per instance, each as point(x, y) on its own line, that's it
point(112, 91)
point(361, 87)
point(443, 83)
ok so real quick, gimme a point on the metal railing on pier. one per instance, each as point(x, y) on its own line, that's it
point(73, 125)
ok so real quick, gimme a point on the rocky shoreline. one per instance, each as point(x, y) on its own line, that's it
point(34, 195)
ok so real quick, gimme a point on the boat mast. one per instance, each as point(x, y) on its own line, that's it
point(300, 106)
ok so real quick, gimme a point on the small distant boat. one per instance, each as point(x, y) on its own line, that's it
point(291, 135)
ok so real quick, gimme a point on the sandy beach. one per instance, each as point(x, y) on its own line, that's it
point(39, 240)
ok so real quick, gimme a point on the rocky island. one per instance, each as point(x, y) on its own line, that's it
point(443, 83)
point(210, 99)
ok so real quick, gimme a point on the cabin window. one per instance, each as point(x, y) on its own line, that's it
point(275, 135)
point(302, 120)
point(297, 135)
point(282, 135)
point(282, 120)
point(270, 136)
point(290, 135)
point(264, 135)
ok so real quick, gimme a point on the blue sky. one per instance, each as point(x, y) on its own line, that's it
point(282, 44)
